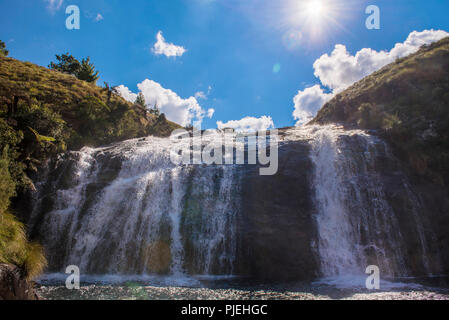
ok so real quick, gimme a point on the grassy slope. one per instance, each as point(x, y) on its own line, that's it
point(55, 112)
point(65, 95)
point(407, 103)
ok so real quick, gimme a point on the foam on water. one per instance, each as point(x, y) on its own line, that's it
point(359, 282)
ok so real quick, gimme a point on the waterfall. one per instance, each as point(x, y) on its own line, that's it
point(357, 225)
point(128, 209)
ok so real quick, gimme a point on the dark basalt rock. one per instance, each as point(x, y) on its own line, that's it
point(276, 228)
point(13, 286)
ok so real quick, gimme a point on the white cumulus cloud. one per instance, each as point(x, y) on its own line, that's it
point(126, 93)
point(248, 124)
point(308, 102)
point(161, 47)
point(203, 95)
point(340, 69)
point(210, 113)
point(200, 95)
point(177, 109)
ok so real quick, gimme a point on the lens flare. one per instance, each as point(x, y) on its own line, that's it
point(276, 67)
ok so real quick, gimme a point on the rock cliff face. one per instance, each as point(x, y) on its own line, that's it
point(276, 228)
point(128, 209)
point(13, 286)
point(339, 202)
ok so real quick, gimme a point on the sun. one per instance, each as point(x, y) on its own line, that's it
point(315, 7)
point(314, 19)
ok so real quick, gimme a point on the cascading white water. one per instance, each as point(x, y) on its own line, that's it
point(135, 218)
point(337, 238)
point(357, 226)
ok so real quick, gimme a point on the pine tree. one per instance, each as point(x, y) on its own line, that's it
point(83, 70)
point(66, 64)
point(87, 71)
point(3, 51)
point(140, 100)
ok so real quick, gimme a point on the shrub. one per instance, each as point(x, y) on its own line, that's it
point(7, 184)
point(3, 51)
point(370, 116)
point(15, 249)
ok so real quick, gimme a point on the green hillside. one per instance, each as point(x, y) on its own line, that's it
point(93, 115)
point(407, 103)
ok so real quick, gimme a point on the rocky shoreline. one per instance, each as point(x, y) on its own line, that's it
point(136, 292)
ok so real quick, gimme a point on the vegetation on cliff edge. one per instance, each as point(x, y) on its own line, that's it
point(14, 247)
point(44, 112)
point(407, 103)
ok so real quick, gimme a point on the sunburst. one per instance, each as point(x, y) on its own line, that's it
point(315, 8)
point(314, 18)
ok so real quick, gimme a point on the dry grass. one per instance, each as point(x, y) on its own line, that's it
point(15, 249)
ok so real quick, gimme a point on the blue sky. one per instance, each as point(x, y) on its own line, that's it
point(237, 52)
